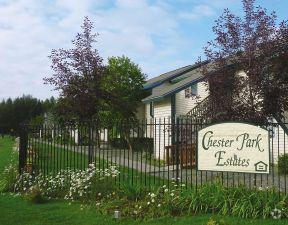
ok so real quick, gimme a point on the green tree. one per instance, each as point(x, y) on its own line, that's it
point(124, 80)
point(25, 109)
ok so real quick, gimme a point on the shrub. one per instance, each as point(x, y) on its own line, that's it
point(133, 192)
point(99, 187)
point(92, 183)
point(82, 185)
point(138, 144)
point(283, 164)
point(8, 178)
point(119, 143)
point(213, 221)
point(142, 144)
point(208, 198)
point(35, 195)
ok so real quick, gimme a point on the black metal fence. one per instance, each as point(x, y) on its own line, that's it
point(148, 153)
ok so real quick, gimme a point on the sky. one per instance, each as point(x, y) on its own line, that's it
point(158, 35)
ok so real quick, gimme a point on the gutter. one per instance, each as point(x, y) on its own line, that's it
point(157, 83)
point(174, 91)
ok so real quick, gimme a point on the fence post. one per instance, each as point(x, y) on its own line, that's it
point(177, 128)
point(90, 151)
point(23, 145)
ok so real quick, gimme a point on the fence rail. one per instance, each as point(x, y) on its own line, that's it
point(146, 153)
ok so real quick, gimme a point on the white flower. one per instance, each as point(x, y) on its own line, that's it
point(172, 194)
point(148, 203)
point(159, 205)
point(276, 213)
point(152, 195)
point(166, 190)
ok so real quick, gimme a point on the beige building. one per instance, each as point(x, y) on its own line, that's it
point(184, 92)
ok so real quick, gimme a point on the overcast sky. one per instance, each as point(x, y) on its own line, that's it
point(159, 35)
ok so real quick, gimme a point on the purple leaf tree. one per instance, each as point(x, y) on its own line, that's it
point(249, 55)
point(78, 76)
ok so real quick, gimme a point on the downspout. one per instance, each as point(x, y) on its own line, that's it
point(282, 124)
point(173, 118)
point(175, 136)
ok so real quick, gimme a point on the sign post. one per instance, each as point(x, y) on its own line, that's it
point(233, 147)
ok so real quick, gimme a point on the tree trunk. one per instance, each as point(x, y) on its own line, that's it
point(126, 136)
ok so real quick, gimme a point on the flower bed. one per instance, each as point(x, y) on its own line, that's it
point(100, 187)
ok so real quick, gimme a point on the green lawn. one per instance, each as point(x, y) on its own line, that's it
point(16, 210)
point(6, 145)
point(52, 158)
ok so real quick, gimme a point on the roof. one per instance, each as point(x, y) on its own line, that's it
point(156, 81)
point(190, 77)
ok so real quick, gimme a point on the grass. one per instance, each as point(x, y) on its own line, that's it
point(16, 210)
point(52, 158)
point(6, 146)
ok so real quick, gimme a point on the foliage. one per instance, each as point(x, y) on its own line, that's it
point(119, 143)
point(99, 188)
point(132, 201)
point(132, 192)
point(137, 144)
point(82, 185)
point(283, 164)
point(35, 196)
point(256, 45)
point(78, 76)
point(31, 109)
point(15, 210)
point(10, 173)
point(8, 178)
point(240, 201)
point(125, 80)
point(213, 221)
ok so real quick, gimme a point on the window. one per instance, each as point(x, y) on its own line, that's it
point(192, 91)
point(187, 92)
point(151, 109)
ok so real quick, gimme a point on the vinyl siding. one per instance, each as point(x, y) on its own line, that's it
point(279, 143)
point(162, 115)
point(149, 131)
point(184, 105)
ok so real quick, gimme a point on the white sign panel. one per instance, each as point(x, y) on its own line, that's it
point(233, 147)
